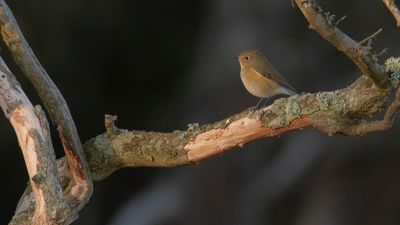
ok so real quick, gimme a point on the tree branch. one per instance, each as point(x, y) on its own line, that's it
point(391, 5)
point(361, 55)
point(392, 67)
point(333, 112)
point(32, 130)
point(53, 100)
point(337, 112)
point(381, 125)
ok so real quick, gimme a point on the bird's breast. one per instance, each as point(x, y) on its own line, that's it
point(257, 84)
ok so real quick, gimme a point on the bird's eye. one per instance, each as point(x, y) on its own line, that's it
point(246, 58)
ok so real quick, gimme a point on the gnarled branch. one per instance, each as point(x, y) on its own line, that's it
point(53, 100)
point(331, 112)
point(337, 112)
point(33, 134)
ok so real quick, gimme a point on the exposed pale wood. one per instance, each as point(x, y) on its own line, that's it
point(53, 101)
point(238, 133)
point(33, 135)
point(343, 111)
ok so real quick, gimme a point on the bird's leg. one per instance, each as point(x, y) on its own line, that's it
point(253, 109)
point(258, 103)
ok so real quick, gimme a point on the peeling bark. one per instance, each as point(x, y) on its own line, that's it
point(55, 195)
point(53, 101)
point(33, 135)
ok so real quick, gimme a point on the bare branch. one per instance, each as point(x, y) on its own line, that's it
point(323, 23)
point(52, 99)
point(32, 130)
point(331, 112)
point(391, 5)
point(340, 20)
point(336, 112)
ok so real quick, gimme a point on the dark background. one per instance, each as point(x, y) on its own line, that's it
point(160, 65)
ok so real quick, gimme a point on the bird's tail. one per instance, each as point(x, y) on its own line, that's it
point(288, 90)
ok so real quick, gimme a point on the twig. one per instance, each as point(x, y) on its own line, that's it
point(32, 131)
point(384, 51)
point(369, 38)
point(53, 101)
point(362, 57)
point(391, 5)
point(109, 124)
point(340, 20)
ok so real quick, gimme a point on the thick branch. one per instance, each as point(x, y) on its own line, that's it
point(32, 131)
point(331, 112)
point(361, 55)
point(391, 5)
point(52, 99)
point(337, 112)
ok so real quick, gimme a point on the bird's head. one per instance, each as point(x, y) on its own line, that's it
point(250, 57)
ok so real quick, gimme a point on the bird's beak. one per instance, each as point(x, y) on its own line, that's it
point(237, 58)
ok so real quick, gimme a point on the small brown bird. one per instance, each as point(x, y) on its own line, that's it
point(260, 78)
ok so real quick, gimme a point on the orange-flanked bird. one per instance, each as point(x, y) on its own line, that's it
point(260, 78)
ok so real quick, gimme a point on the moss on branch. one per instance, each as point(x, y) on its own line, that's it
point(331, 112)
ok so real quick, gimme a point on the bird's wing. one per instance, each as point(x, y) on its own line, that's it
point(270, 72)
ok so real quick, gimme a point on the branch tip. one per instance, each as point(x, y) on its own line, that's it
point(340, 20)
point(109, 123)
point(369, 38)
point(384, 51)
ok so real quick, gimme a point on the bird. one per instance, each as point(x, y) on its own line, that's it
point(260, 77)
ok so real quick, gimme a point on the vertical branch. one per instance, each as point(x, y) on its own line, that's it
point(393, 9)
point(31, 127)
point(53, 101)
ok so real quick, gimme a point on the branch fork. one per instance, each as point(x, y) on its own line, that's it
point(60, 188)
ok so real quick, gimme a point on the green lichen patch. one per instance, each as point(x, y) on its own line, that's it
point(307, 104)
point(155, 148)
point(193, 126)
point(329, 18)
point(331, 101)
point(322, 100)
point(100, 156)
point(276, 117)
point(392, 67)
point(292, 107)
point(279, 114)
